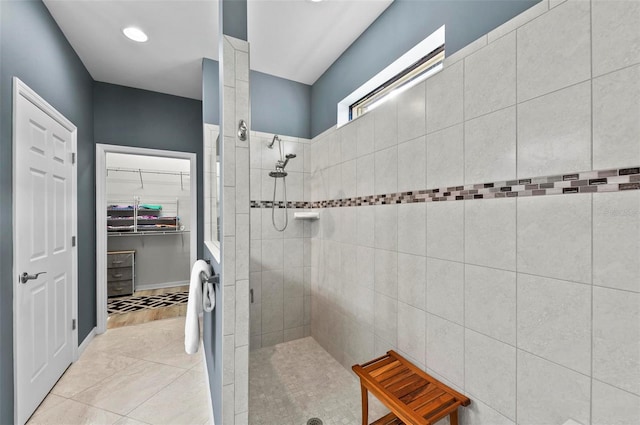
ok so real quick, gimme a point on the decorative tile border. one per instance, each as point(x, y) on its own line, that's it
point(585, 182)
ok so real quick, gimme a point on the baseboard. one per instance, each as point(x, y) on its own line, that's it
point(86, 342)
point(207, 383)
point(150, 286)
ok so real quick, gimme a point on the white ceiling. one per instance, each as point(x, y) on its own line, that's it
point(293, 39)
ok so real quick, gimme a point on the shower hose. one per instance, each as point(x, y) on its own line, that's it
point(273, 205)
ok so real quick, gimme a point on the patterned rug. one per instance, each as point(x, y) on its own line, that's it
point(135, 303)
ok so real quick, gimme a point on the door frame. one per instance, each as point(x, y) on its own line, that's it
point(101, 215)
point(20, 89)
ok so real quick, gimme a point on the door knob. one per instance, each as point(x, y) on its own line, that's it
point(25, 277)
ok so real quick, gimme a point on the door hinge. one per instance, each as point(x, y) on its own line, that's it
point(73, 324)
point(73, 241)
point(73, 157)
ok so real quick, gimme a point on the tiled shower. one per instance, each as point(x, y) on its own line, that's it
point(485, 224)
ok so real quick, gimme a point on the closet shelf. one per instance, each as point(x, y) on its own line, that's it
point(149, 232)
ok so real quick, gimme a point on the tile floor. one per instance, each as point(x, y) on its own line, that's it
point(131, 375)
point(292, 382)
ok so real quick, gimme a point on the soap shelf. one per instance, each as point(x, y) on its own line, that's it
point(306, 215)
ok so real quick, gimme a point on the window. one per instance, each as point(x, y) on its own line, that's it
point(420, 62)
point(406, 79)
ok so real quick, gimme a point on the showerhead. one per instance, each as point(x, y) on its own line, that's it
point(275, 137)
point(278, 173)
point(291, 155)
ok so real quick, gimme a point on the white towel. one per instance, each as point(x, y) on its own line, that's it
point(208, 297)
point(201, 270)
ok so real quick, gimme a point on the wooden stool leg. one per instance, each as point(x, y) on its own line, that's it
point(365, 405)
point(453, 417)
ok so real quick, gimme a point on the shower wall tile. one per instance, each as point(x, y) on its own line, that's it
point(268, 232)
point(272, 254)
point(385, 132)
point(412, 171)
point(445, 349)
point(332, 145)
point(615, 133)
point(490, 77)
point(616, 246)
point(272, 317)
point(255, 284)
point(386, 318)
point(411, 113)
point(365, 175)
point(386, 227)
point(293, 313)
point(293, 253)
point(386, 170)
point(550, 394)
point(241, 333)
point(554, 237)
point(365, 265)
point(483, 355)
point(480, 413)
point(412, 331)
point(519, 20)
point(412, 286)
point(484, 271)
point(614, 23)
point(444, 103)
point(349, 225)
point(490, 302)
point(541, 69)
point(616, 327)
point(445, 230)
point(445, 157)
point(349, 179)
point(445, 289)
point(365, 130)
point(386, 273)
point(554, 132)
point(272, 338)
point(490, 147)
point(366, 226)
point(412, 228)
point(613, 406)
point(493, 220)
point(554, 321)
point(272, 285)
point(293, 281)
point(348, 135)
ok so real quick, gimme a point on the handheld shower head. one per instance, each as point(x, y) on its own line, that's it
point(275, 137)
point(291, 155)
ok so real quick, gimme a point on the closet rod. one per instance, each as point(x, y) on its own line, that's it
point(142, 170)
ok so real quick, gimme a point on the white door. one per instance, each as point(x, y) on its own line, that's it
point(43, 228)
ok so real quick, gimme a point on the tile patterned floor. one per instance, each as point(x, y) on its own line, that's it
point(292, 382)
point(146, 313)
point(131, 375)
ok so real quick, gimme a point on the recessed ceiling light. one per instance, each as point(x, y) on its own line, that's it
point(135, 34)
point(316, 1)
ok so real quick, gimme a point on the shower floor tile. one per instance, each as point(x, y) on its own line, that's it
point(292, 382)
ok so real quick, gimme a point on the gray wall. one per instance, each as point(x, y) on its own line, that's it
point(403, 25)
point(210, 92)
point(33, 48)
point(278, 105)
point(133, 117)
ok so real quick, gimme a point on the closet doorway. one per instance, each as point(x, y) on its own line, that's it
point(146, 237)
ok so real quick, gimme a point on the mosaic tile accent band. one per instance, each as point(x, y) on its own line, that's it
point(584, 182)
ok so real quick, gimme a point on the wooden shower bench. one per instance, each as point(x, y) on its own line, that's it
point(414, 397)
